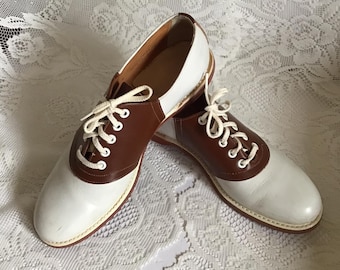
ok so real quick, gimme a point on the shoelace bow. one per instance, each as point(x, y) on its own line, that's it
point(97, 118)
point(218, 125)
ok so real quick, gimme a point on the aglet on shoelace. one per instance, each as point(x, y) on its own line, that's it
point(218, 125)
point(93, 127)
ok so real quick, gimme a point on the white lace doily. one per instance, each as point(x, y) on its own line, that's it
point(281, 61)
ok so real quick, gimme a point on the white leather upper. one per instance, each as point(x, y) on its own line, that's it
point(68, 208)
point(281, 191)
point(193, 71)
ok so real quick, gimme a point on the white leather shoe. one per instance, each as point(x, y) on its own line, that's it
point(97, 173)
point(255, 179)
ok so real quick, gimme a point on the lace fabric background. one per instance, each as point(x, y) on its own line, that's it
point(280, 60)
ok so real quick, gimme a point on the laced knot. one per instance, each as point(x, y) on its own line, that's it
point(97, 119)
point(217, 125)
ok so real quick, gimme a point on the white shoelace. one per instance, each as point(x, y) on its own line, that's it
point(93, 127)
point(218, 125)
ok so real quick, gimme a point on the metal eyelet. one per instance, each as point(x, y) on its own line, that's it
point(231, 153)
point(125, 113)
point(101, 165)
point(113, 139)
point(201, 122)
point(222, 143)
point(106, 153)
point(241, 164)
point(118, 127)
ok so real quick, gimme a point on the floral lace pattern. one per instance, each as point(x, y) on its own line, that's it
point(280, 62)
point(308, 38)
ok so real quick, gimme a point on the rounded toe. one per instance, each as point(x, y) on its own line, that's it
point(69, 209)
point(296, 202)
point(281, 195)
point(303, 206)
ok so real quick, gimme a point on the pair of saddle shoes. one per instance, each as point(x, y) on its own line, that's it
point(161, 93)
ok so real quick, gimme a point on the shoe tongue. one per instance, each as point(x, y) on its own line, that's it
point(121, 89)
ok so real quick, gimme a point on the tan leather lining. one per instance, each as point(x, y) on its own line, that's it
point(159, 61)
point(162, 72)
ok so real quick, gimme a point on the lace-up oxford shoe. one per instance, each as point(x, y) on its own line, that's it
point(251, 176)
point(94, 177)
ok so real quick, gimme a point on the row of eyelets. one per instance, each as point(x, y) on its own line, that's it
point(102, 164)
point(120, 125)
point(223, 144)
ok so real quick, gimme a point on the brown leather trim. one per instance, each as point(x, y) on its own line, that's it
point(193, 137)
point(137, 130)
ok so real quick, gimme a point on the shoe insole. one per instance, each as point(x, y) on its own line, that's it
point(164, 69)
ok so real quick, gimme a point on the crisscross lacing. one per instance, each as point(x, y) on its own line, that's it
point(97, 118)
point(218, 125)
